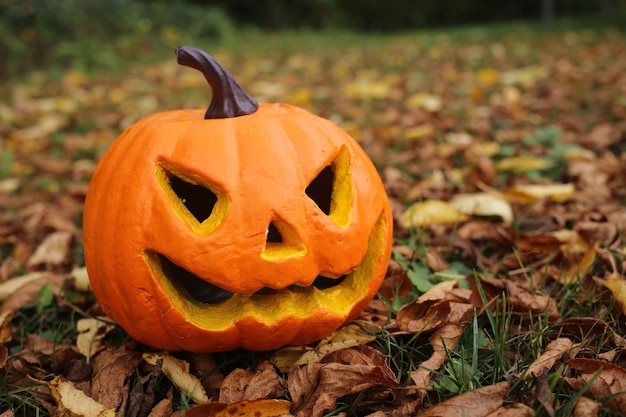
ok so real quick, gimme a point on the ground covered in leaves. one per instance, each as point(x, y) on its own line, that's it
point(503, 153)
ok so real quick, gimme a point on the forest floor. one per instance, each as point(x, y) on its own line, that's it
point(503, 153)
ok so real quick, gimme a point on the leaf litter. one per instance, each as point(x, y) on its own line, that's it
point(504, 161)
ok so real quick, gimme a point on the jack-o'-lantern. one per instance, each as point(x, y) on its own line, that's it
point(247, 225)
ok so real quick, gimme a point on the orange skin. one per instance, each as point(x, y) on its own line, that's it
point(259, 165)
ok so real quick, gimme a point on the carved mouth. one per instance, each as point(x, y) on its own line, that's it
point(208, 293)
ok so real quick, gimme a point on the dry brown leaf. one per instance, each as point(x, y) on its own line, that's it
point(177, 371)
point(9, 287)
point(587, 328)
point(314, 388)
point(258, 408)
point(112, 370)
point(418, 317)
point(91, 332)
point(53, 251)
point(4, 354)
point(586, 407)
point(554, 351)
point(72, 402)
point(5, 329)
point(347, 336)
point(27, 293)
point(164, 407)
point(519, 300)
point(442, 341)
point(607, 382)
point(476, 403)
point(513, 410)
point(579, 254)
point(7, 413)
point(245, 384)
point(438, 292)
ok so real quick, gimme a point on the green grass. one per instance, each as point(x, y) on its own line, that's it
point(495, 345)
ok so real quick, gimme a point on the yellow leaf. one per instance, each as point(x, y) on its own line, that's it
point(428, 102)
point(418, 132)
point(579, 251)
point(430, 212)
point(488, 76)
point(177, 371)
point(522, 164)
point(91, 331)
point(526, 76)
point(617, 285)
point(534, 192)
point(483, 204)
point(72, 402)
point(366, 87)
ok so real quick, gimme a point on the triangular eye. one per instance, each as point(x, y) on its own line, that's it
point(202, 206)
point(199, 200)
point(320, 189)
point(332, 189)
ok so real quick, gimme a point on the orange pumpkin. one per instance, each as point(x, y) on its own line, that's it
point(251, 226)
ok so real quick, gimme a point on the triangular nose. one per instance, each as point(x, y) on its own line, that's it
point(273, 234)
point(282, 241)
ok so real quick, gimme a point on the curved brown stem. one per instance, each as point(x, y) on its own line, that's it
point(229, 98)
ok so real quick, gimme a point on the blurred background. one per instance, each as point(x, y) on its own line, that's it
point(97, 34)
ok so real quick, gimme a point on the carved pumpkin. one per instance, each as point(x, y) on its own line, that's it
point(251, 226)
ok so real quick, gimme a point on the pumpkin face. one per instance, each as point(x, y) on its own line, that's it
point(256, 230)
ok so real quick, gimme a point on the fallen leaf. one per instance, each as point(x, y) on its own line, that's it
point(521, 164)
point(617, 285)
point(554, 352)
point(528, 193)
point(80, 279)
point(72, 402)
point(416, 317)
point(603, 381)
point(443, 341)
point(53, 251)
point(112, 370)
point(513, 410)
point(426, 101)
point(315, 388)
point(483, 204)
point(476, 403)
point(4, 354)
point(240, 384)
point(488, 76)
point(177, 371)
point(27, 292)
point(586, 407)
point(9, 287)
point(164, 407)
point(258, 408)
point(589, 328)
point(519, 300)
point(418, 132)
point(430, 212)
point(91, 332)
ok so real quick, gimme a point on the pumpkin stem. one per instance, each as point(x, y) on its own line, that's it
point(229, 98)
